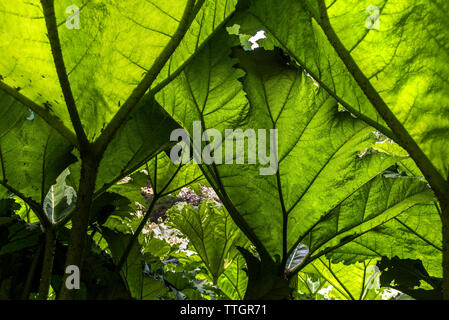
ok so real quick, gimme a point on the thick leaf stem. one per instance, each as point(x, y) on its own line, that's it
point(80, 219)
point(53, 36)
point(47, 266)
point(29, 280)
point(445, 220)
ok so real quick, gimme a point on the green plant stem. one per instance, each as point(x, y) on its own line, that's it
point(445, 222)
point(29, 280)
point(136, 234)
point(80, 219)
point(90, 160)
point(439, 184)
point(293, 284)
point(55, 44)
point(47, 266)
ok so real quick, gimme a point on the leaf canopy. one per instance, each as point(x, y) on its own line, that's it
point(105, 58)
point(32, 154)
point(343, 111)
point(404, 59)
point(300, 195)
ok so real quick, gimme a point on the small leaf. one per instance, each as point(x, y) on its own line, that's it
point(60, 200)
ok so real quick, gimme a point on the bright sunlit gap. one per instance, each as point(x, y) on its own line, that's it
point(258, 36)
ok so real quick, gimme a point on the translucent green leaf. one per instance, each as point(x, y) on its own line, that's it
point(60, 200)
point(32, 154)
point(400, 47)
point(140, 285)
point(167, 177)
point(234, 280)
point(320, 161)
point(369, 209)
point(359, 281)
point(211, 232)
point(107, 47)
point(408, 236)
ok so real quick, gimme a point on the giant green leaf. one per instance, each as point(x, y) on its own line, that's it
point(325, 187)
point(400, 47)
point(408, 66)
point(105, 58)
point(212, 233)
point(107, 47)
point(234, 280)
point(167, 177)
point(32, 154)
point(207, 89)
point(379, 202)
point(318, 146)
point(408, 236)
point(141, 138)
point(359, 281)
